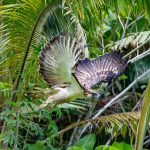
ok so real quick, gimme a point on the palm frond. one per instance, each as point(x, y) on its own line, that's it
point(121, 122)
point(134, 40)
point(95, 7)
point(144, 120)
point(30, 22)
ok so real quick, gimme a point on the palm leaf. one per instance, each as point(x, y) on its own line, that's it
point(27, 33)
point(144, 120)
point(121, 122)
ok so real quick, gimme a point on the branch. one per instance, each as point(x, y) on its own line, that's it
point(136, 48)
point(73, 136)
point(115, 99)
point(138, 18)
point(124, 28)
point(138, 57)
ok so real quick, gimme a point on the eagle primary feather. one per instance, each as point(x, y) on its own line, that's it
point(58, 58)
point(56, 62)
point(101, 69)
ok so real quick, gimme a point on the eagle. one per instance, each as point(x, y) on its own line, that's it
point(65, 66)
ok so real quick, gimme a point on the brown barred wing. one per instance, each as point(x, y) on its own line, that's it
point(101, 69)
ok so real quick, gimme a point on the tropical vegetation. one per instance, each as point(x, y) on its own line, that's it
point(119, 120)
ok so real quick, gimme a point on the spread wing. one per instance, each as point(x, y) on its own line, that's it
point(101, 69)
point(59, 56)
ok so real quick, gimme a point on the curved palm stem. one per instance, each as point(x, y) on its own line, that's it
point(18, 80)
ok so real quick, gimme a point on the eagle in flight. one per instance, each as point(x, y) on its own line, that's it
point(66, 68)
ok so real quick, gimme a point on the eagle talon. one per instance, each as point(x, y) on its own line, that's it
point(93, 94)
point(97, 96)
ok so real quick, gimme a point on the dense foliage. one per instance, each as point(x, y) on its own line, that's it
point(113, 122)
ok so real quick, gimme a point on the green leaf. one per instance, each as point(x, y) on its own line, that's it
point(144, 119)
point(116, 146)
point(37, 146)
point(87, 142)
point(76, 148)
point(52, 128)
point(121, 146)
point(102, 147)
